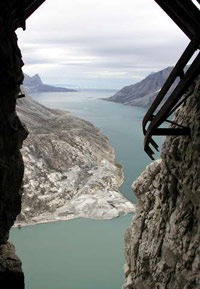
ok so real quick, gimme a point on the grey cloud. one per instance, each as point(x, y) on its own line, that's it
point(108, 35)
point(39, 60)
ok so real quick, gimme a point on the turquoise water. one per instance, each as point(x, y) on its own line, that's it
point(77, 254)
point(82, 253)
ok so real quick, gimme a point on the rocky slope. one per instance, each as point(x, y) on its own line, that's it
point(162, 246)
point(144, 92)
point(70, 169)
point(35, 84)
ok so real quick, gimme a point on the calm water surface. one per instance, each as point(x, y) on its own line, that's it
point(82, 253)
point(77, 254)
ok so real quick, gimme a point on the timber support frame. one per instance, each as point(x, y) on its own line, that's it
point(187, 16)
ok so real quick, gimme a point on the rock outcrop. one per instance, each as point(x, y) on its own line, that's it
point(11, 275)
point(144, 92)
point(162, 247)
point(12, 134)
point(35, 84)
point(70, 168)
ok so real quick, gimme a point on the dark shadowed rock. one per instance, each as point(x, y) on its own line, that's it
point(12, 134)
point(10, 268)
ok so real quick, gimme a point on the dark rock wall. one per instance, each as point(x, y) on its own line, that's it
point(12, 134)
point(162, 247)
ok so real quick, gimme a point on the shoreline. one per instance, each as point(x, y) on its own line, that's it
point(22, 225)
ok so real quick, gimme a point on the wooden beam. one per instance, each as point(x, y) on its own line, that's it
point(171, 131)
point(164, 112)
point(29, 9)
point(188, 53)
point(185, 14)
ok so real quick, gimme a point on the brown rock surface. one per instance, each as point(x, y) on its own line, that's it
point(162, 245)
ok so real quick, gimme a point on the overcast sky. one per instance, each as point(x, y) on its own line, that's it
point(99, 43)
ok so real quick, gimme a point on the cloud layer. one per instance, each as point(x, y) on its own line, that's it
point(99, 43)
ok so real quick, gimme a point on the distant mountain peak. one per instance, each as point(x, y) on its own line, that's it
point(35, 84)
point(36, 76)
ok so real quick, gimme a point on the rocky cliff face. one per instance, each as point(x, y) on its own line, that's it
point(162, 246)
point(12, 134)
point(144, 92)
point(35, 84)
point(70, 168)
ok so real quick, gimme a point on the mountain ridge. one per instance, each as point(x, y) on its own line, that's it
point(143, 92)
point(34, 84)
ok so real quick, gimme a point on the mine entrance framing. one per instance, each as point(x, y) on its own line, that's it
point(187, 16)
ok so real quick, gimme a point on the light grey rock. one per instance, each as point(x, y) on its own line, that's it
point(162, 246)
point(126, 270)
point(70, 168)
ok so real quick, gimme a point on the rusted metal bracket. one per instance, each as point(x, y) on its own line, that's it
point(187, 16)
point(177, 129)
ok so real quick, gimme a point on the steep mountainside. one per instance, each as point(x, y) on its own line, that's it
point(70, 168)
point(162, 246)
point(144, 92)
point(35, 84)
